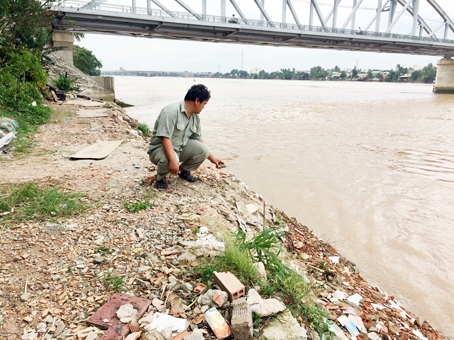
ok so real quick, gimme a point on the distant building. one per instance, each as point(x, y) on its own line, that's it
point(255, 71)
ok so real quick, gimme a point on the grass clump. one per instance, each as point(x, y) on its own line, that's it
point(65, 83)
point(27, 201)
point(239, 257)
point(112, 282)
point(144, 129)
point(143, 204)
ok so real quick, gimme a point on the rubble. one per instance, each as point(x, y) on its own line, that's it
point(57, 276)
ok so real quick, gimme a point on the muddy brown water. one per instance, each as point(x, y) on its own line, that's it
point(368, 166)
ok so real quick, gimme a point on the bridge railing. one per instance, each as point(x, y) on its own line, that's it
point(298, 29)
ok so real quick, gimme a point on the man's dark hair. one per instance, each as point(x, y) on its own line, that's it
point(198, 91)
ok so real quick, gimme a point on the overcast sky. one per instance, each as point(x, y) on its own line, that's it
point(170, 55)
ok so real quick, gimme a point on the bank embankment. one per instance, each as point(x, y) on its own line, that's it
point(56, 272)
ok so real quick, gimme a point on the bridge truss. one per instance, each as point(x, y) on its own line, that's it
point(396, 26)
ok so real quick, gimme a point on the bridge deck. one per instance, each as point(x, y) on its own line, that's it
point(190, 26)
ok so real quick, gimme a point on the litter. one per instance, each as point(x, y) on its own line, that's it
point(217, 323)
point(355, 299)
point(161, 321)
point(334, 259)
point(211, 242)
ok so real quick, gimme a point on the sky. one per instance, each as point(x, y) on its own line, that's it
point(145, 54)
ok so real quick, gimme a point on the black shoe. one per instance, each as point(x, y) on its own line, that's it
point(162, 184)
point(186, 175)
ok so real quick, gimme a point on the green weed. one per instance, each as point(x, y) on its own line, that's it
point(65, 83)
point(112, 282)
point(103, 251)
point(144, 129)
point(28, 201)
point(137, 206)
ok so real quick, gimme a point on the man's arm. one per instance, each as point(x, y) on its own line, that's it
point(216, 161)
point(170, 154)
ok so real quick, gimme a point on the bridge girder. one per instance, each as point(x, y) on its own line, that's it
point(164, 22)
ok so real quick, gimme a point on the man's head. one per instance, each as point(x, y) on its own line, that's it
point(199, 96)
point(199, 91)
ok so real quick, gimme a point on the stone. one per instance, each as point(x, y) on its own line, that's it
point(241, 322)
point(25, 296)
point(152, 334)
point(197, 334)
point(97, 258)
point(126, 313)
point(260, 267)
point(270, 307)
point(283, 327)
point(91, 336)
point(186, 258)
point(41, 327)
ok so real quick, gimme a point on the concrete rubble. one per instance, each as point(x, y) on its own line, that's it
point(55, 274)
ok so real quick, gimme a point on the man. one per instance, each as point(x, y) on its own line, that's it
point(177, 137)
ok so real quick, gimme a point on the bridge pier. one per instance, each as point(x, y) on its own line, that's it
point(444, 83)
point(66, 40)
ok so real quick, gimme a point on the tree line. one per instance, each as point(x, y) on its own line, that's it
point(426, 75)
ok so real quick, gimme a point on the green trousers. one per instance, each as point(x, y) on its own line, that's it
point(194, 153)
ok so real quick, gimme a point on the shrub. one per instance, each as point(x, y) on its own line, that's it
point(65, 83)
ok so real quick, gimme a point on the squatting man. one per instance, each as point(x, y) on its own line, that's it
point(176, 145)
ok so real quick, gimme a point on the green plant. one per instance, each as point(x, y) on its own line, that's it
point(28, 201)
point(144, 129)
point(103, 251)
point(65, 83)
point(137, 206)
point(112, 282)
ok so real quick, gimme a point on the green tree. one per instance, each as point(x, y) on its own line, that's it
point(343, 75)
point(318, 72)
point(369, 74)
point(416, 75)
point(336, 69)
point(429, 73)
point(24, 25)
point(354, 72)
point(85, 61)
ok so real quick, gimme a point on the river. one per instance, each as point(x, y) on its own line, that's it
point(369, 167)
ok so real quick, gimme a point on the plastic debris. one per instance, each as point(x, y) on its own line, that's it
point(377, 306)
point(217, 323)
point(211, 242)
point(355, 299)
point(161, 322)
point(334, 259)
point(349, 325)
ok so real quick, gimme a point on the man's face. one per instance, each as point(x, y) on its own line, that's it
point(199, 106)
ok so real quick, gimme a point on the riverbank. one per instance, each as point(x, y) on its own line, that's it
point(52, 277)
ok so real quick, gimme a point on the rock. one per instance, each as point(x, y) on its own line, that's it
point(41, 327)
point(25, 296)
point(152, 334)
point(60, 328)
point(241, 322)
point(143, 269)
point(126, 313)
point(197, 334)
point(260, 267)
point(93, 336)
point(186, 258)
point(283, 327)
point(270, 307)
point(97, 258)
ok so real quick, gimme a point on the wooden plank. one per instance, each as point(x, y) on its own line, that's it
point(99, 150)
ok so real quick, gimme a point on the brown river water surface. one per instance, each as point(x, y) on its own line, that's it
point(368, 166)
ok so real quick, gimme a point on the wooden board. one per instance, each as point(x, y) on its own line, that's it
point(86, 113)
point(99, 150)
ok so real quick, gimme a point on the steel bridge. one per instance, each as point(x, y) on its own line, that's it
point(419, 27)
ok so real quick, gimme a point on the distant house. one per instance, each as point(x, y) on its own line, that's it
point(404, 77)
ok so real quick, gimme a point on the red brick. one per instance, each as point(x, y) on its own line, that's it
point(230, 284)
point(116, 329)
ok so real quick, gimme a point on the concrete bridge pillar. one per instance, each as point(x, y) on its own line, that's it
point(66, 40)
point(444, 83)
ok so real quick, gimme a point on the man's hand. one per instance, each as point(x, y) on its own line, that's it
point(216, 161)
point(170, 154)
point(174, 167)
